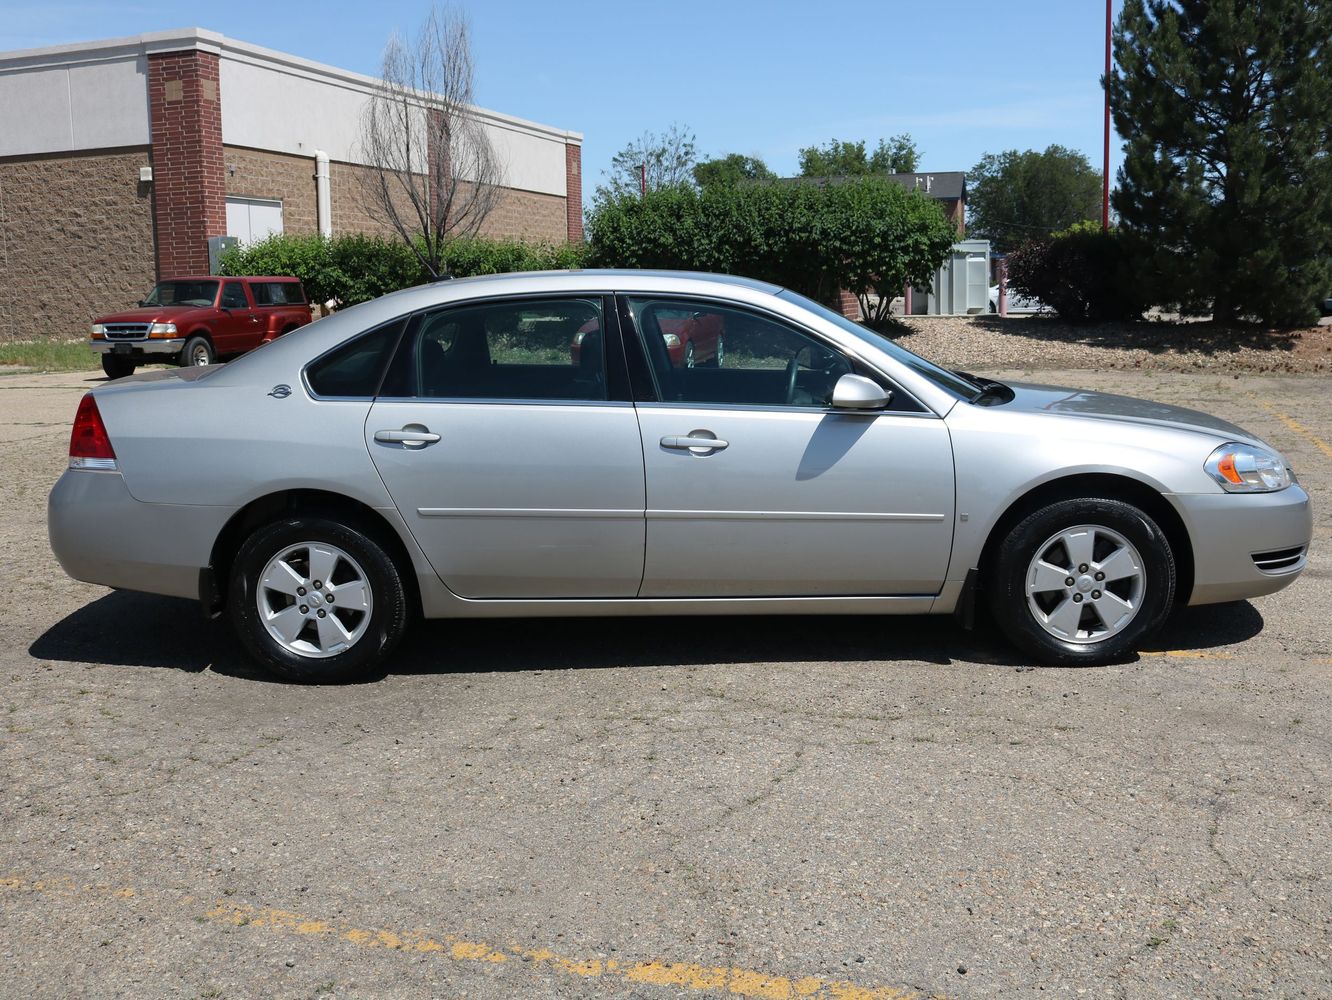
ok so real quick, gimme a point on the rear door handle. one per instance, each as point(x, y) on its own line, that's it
point(695, 441)
point(411, 435)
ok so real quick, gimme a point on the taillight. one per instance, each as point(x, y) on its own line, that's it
point(89, 444)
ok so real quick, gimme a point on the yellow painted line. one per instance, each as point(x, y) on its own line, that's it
point(722, 980)
point(1186, 654)
point(1298, 428)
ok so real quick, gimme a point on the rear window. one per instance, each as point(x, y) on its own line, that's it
point(356, 368)
point(277, 293)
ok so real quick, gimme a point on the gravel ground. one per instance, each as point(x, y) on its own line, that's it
point(848, 809)
point(1044, 343)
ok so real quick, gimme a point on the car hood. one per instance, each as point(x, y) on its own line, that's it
point(1120, 409)
point(147, 314)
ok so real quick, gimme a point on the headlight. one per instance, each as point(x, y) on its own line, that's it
point(1246, 468)
point(162, 330)
point(99, 330)
point(579, 337)
point(671, 339)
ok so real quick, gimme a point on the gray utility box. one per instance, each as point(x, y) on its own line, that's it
point(217, 246)
point(961, 286)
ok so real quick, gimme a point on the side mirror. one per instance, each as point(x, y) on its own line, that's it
point(856, 392)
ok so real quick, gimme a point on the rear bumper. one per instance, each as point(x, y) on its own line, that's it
point(1229, 530)
point(101, 534)
point(138, 348)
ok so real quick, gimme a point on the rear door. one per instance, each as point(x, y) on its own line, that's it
point(510, 452)
point(781, 495)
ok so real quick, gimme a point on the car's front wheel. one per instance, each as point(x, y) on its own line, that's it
point(317, 601)
point(1082, 582)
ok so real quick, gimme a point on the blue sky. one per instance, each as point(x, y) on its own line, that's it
point(761, 78)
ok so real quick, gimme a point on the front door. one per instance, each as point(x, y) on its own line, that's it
point(516, 472)
point(781, 495)
point(237, 323)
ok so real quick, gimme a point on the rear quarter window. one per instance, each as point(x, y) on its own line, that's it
point(277, 293)
point(356, 368)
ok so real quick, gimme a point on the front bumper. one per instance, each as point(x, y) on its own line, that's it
point(138, 348)
point(101, 534)
point(1229, 530)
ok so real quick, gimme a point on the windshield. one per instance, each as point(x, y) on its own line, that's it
point(182, 293)
point(949, 382)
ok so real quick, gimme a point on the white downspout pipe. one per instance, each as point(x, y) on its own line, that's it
point(323, 201)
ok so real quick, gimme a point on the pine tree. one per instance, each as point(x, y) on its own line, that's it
point(1226, 189)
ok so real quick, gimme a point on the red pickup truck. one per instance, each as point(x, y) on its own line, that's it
point(196, 320)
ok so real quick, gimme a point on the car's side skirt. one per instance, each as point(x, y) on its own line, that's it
point(457, 607)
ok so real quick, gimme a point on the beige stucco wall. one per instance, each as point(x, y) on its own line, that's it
point(76, 236)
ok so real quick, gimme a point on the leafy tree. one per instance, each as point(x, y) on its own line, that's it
point(1017, 196)
point(837, 158)
point(668, 157)
point(732, 169)
point(897, 155)
point(868, 234)
point(1226, 188)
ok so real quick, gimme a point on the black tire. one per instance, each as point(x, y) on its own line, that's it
point(117, 365)
point(388, 617)
point(196, 352)
point(1007, 585)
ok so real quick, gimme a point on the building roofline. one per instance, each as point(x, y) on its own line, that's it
point(203, 40)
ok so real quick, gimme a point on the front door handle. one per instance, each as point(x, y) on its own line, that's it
point(695, 441)
point(411, 436)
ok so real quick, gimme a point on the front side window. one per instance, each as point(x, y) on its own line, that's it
point(182, 293)
point(706, 353)
point(539, 349)
point(233, 296)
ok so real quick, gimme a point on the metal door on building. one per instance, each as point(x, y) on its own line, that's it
point(253, 219)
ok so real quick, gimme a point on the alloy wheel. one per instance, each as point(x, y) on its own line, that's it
point(314, 599)
point(1085, 584)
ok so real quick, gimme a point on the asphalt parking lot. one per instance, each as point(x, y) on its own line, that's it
point(848, 809)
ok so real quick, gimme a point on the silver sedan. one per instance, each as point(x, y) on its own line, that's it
point(530, 444)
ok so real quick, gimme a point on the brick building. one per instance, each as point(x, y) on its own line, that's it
point(119, 159)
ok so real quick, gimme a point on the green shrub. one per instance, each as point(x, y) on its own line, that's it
point(355, 268)
point(1082, 273)
point(868, 235)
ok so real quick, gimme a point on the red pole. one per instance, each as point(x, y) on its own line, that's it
point(1105, 168)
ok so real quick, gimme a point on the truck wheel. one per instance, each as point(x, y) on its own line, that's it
point(317, 601)
point(117, 365)
point(197, 352)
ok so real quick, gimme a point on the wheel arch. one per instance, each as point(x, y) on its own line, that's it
point(310, 502)
point(1109, 486)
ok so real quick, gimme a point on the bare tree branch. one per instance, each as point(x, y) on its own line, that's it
point(432, 174)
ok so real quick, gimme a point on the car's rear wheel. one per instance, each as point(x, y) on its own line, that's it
point(117, 365)
point(1082, 582)
point(197, 352)
point(317, 601)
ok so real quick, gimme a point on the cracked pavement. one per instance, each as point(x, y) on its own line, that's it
point(831, 807)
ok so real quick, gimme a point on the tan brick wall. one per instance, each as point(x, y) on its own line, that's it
point(526, 215)
point(523, 215)
point(76, 240)
point(252, 173)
